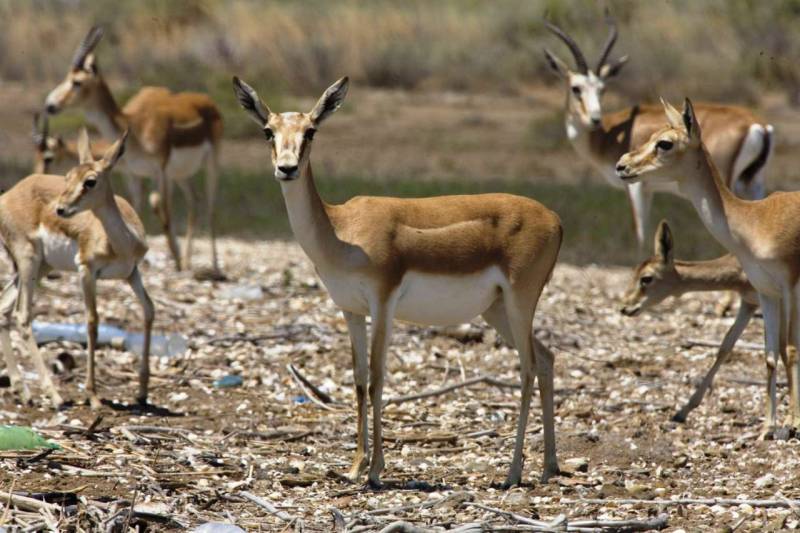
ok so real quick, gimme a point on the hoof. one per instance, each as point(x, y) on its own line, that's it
point(509, 483)
point(374, 483)
point(550, 473)
point(679, 417)
point(141, 401)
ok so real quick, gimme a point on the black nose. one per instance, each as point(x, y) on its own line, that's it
point(595, 121)
point(51, 109)
point(620, 168)
point(288, 170)
point(60, 211)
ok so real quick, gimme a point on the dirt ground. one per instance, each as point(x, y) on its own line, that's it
point(618, 381)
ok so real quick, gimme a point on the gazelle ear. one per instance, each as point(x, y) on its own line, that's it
point(84, 149)
point(250, 102)
point(673, 116)
point(330, 101)
point(115, 152)
point(609, 70)
point(690, 120)
point(556, 64)
point(663, 242)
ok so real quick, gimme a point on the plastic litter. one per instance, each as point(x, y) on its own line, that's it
point(23, 438)
point(226, 382)
point(216, 527)
point(170, 345)
point(242, 292)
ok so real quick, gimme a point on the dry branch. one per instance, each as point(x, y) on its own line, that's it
point(776, 503)
point(489, 380)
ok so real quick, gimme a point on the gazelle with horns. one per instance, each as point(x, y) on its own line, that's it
point(739, 142)
point(435, 261)
point(54, 155)
point(764, 235)
point(661, 276)
point(172, 134)
point(50, 223)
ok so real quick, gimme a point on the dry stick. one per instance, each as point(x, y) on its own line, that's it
point(713, 344)
point(403, 527)
point(785, 503)
point(30, 504)
point(8, 507)
point(306, 390)
point(321, 395)
point(489, 380)
point(264, 504)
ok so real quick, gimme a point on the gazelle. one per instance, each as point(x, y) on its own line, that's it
point(661, 276)
point(436, 261)
point(740, 143)
point(54, 155)
point(49, 223)
point(172, 134)
point(764, 235)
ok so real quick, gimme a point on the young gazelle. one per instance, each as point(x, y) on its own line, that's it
point(54, 155)
point(172, 134)
point(764, 235)
point(739, 141)
point(661, 276)
point(49, 223)
point(435, 261)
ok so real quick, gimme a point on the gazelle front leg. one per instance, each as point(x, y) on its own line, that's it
point(7, 300)
point(190, 196)
point(771, 309)
point(792, 360)
point(746, 312)
point(89, 286)
point(162, 205)
point(357, 327)
point(135, 282)
point(641, 199)
point(381, 333)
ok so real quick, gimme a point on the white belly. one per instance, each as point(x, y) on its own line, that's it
point(443, 300)
point(184, 162)
point(60, 252)
point(348, 292)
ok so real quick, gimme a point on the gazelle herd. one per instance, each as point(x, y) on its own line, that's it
point(435, 261)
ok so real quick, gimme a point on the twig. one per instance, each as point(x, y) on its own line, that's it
point(489, 380)
point(714, 344)
point(264, 504)
point(777, 503)
point(403, 527)
point(307, 387)
point(30, 504)
point(507, 514)
point(465, 496)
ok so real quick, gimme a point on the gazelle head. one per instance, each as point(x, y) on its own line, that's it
point(47, 148)
point(82, 78)
point(88, 185)
point(655, 278)
point(290, 135)
point(671, 153)
point(585, 86)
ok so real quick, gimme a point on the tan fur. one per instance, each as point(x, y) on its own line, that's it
point(763, 234)
point(370, 251)
point(160, 122)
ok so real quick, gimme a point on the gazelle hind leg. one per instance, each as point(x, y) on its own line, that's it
point(8, 298)
point(148, 310)
point(792, 360)
point(746, 312)
point(771, 309)
point(357, 327)
point(381, 331)
point(212, 177)
point(190, 195)
point(89, 286)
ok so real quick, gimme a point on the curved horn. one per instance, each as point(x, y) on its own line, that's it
point(580, 60)
point(87, 45)
point(612, 38)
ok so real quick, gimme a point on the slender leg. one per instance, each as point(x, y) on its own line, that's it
point(191, 216)
point(746, 312)
point(7, 300)
point(771, 308)
point(641, 199)
point(793, 362)
point(357, 326)
point(381, 334)
point(163, 209)
point(28, 273)
point(89, 286)
point(212, 176)
point(135, 282)
point(135, 187)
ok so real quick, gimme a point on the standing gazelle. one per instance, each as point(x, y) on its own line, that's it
point(172, 134)
point(661, 276)
point(52, 154)
point(436, 261)
point(764, 235)
point(739, 142)
point(49, 223)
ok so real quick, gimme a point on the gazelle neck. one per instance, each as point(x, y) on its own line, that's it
point(104, 114)
point(309, 219)
point(120, 236)
point(723, 273)
point(710, 197)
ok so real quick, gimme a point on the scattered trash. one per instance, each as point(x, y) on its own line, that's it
point(23, 438)
point(216, 527)
point(300, 399)
point(170, 345)
point(226, 382)
point(242, 292)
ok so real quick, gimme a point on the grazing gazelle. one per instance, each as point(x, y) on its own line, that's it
point(54, 155)
point(764, 235)
point(739, 142)
point(172, 134)
point(435, 261)
point(661, 276)
point(76, 223)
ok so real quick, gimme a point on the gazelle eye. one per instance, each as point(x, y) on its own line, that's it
point(645, 281)
point(309, 134)
point(76, 83)
point(576, 90)
point(90, 183)
point(664, 145)
point(268, 135)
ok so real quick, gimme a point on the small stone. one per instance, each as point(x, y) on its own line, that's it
point(767, 480)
